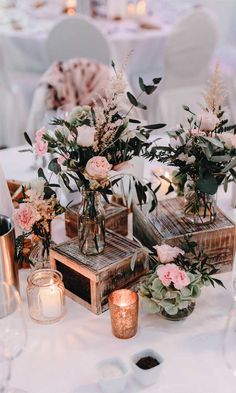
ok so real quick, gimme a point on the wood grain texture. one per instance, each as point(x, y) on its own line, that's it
point(116, 219)
point(106, 272)
point(168, 225)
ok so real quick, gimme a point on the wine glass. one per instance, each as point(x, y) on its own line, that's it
point(13, 334)
point(4, 373)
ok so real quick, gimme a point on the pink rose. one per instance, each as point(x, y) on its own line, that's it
point(40, 133)
point(207, 121)
point(181, 279)
point(85, 136)
point(122, 166)
point(98, 168)
point(62, 159)
point(26, 216)
point(41, 147)
point(167, 273)
point(167, 253)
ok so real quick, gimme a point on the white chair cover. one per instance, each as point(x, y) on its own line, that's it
point(6, 206)
point(12, 110)
point(187, 59)
point(78, 36)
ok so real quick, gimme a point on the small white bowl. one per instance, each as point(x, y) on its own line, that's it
point(114, 384)
point(150, 376)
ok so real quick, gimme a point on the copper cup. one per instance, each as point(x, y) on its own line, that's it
point(8, 262)
point(123, 305)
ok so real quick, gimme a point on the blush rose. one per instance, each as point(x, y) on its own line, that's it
point(167, 254)
point(85, 136)
point(26, 216)
point(98, 168)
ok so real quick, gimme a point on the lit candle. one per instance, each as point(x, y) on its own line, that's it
point(141, 8)
point(131, 9)
point(123, 305)
point(71, 6)
point(50, 301)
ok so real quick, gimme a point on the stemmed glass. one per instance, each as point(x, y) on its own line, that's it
point(13, 334)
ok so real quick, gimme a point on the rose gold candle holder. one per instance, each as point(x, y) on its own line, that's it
point(123, 305)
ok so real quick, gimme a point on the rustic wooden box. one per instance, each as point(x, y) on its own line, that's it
point(89, 279)
point(116, 219)
point(167, 225)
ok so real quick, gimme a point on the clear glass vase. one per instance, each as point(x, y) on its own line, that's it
point(199, 207)
point(39, 256)
point(91, 223)
point(181, 314)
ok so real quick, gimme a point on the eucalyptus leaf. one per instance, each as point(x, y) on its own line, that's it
point(150, 306)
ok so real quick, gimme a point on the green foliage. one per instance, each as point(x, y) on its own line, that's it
point(197, 265)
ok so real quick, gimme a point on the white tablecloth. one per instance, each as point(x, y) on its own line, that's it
point(62, 358)
point(25, 49)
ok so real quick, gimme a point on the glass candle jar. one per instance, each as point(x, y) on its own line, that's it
point(45, 294)
point(123, 305)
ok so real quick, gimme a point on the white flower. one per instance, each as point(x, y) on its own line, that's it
point(191, 160)
point(36, 189)
point(85, 137)
point(228, 139)
point(80, 112)
point(207, 121)
point(167, 254)
point(186, 158)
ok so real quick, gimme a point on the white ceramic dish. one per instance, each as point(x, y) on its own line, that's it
point(150, 376)
point(113, 383)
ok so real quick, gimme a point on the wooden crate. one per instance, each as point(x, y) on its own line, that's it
point(167, 225)
point(116, 219)
point(90, 279)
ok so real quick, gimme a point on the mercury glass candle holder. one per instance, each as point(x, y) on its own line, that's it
point(123, 305)
point(45, 294)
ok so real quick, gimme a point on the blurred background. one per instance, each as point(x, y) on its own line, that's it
point(178, 40)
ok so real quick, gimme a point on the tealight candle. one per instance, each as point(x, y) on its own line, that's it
point(45, 293)
point(123, 305)
point(141, 8)
point(70, 7)
point(50, 301)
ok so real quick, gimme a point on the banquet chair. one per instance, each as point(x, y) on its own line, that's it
point(12, 110)
point(77, 36)
point(188, 54)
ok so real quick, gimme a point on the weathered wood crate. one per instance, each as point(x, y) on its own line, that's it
point(90, 279)
point(116, 219)
point(167, 225)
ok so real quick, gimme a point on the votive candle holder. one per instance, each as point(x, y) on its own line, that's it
point(45, 294)
point(123, 305)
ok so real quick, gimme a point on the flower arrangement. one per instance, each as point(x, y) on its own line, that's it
point(91, 146)
point(204, 153)
point(175, 283)
point(96, 140)
point(37, 208)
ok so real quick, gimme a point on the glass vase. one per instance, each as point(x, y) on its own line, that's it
point(91, 224)
point(39, 256)
point(181, 314)
point(199, 207)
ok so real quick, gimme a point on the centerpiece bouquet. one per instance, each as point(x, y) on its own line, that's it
point(38, 206)
point(204, 153)
point(90, 146)
point(178, 275)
